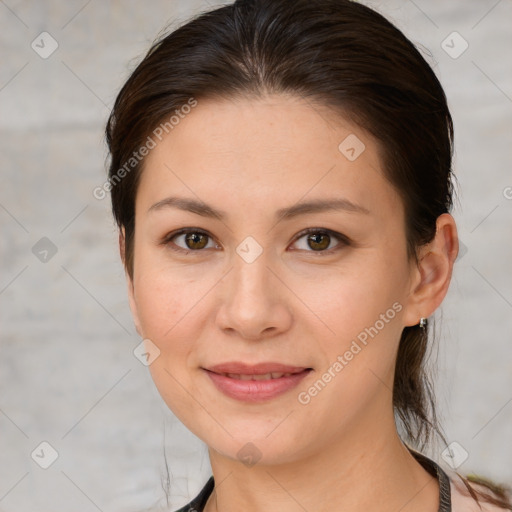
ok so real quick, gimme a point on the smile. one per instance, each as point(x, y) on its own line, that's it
point(256, 387)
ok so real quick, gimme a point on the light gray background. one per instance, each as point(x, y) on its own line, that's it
point(68, 375)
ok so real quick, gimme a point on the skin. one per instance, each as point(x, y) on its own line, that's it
point(250, 158)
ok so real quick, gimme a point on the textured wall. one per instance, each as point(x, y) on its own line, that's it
point(68, 375)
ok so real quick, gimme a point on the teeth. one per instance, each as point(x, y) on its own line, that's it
point(265, 376)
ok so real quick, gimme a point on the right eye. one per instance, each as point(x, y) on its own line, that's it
point(193, 240)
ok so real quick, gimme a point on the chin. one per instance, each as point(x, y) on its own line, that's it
point(258, 448)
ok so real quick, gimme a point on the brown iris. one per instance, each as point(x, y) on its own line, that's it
point(319, 241)
point(196, 240)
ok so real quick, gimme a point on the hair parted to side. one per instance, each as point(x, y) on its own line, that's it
point(334, 53)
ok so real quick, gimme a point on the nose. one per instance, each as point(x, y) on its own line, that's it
point(255, 302)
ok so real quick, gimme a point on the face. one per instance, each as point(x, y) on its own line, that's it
point(260, 277)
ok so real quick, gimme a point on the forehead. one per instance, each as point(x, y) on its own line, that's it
point(273, 126)
point(275, 149)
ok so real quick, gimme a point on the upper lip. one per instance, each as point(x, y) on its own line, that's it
point(256, 369)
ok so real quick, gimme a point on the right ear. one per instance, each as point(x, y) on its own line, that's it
point(129, 282)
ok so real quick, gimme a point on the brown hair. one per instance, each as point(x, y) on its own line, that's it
point(336, 53)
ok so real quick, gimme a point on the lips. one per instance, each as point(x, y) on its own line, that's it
point(242, 369)
point(264, 376)
point(255, 383)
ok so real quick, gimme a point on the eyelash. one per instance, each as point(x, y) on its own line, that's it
point(342, 239)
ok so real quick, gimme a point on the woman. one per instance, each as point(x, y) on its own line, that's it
point(281, 178)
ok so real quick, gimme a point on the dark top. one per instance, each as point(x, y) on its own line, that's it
point(445, 504)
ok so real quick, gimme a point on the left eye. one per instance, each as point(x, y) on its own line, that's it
point(319, 240)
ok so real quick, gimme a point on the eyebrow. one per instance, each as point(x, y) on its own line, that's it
point(314, 206)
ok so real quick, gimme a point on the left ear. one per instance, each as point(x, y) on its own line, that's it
point(431, 277)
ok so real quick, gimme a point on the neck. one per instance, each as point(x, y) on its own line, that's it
point(357, 473)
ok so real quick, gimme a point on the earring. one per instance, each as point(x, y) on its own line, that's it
point(423, 322)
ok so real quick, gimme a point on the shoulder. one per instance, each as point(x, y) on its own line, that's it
point(462, 501)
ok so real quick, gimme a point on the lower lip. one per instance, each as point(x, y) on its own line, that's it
point(255, 390)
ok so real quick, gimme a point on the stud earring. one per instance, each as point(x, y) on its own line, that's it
point(423, 322)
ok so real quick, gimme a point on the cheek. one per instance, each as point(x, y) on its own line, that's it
point(169, 308)
point(174, 306)
point(358, 359)
point(168, 298)
point(362, 310)
point(348, 301)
